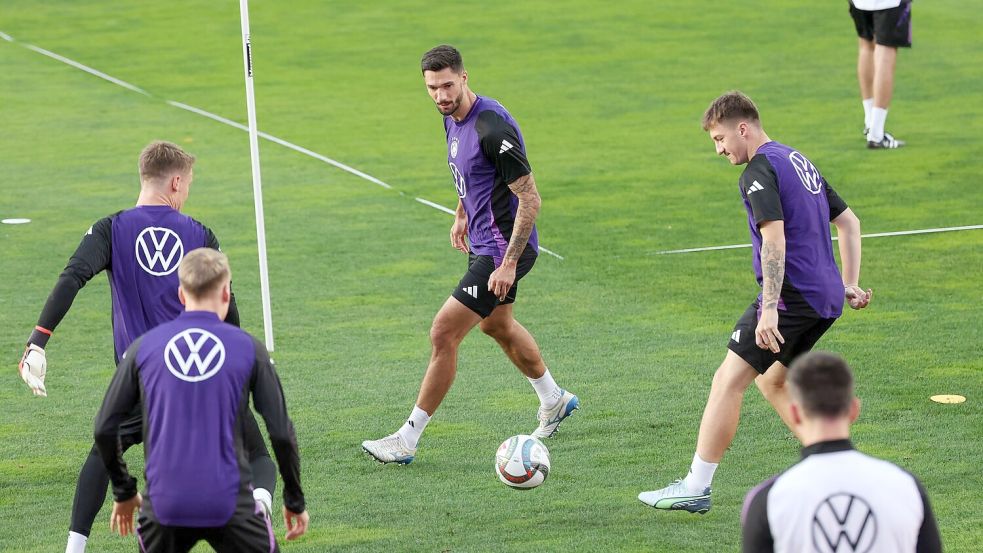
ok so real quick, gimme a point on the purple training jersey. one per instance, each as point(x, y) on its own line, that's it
point(779, 183)
point(486, 153)
point(194, 374)
point(148, 244)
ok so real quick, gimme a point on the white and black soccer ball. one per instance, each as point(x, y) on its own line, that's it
point(522, 462)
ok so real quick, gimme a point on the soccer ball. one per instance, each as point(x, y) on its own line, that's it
point(522, 462)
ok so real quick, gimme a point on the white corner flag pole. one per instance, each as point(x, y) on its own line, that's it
point(264, 278)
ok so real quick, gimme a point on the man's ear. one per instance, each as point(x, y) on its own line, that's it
point(854, 410)
point(180, 296)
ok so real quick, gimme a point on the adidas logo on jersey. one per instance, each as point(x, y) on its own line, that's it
point(471, 291)
point(755, 186)
point(506, 146)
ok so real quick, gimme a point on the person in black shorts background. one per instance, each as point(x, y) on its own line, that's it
point(882, 26)
point(495, 224)
point(789, 210)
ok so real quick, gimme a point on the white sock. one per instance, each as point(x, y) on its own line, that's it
point(547, 390)
point(868, 106)
point(877, 118)
point(76, 543)
point(700, 475)
point(413, 427)
point(265, 497)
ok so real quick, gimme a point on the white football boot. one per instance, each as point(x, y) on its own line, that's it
point(550, 419)
point(391, 449)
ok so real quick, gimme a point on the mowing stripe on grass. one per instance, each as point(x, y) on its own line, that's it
point(874, 235)
point(231, 123)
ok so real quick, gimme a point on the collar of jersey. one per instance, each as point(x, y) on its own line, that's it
point(831, 446)
point(200, 315)
point(474, 110)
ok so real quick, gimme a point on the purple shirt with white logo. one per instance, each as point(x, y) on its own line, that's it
point(779, 183)
point(148, 244)
point(486, 153)
point(194, 376)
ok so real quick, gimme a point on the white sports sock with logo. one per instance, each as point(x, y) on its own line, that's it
point(413, 427)
point(76, 543)
point(700, 474)
point(868, 106)
point(877, 118)
point(265, 497)
point(547, 390)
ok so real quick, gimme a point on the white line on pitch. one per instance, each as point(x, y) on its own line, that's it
point(232, 123)
point(87, 69)
point(451, 211)
point(874, 235)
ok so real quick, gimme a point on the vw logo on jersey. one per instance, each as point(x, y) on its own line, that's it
point(843, 523)
point(459, 183)
point(159, 250)
point(807, 172)
point(194, 355)
point(454, 147)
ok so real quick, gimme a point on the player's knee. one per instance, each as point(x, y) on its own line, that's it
point(495, 329)
point(443, 338)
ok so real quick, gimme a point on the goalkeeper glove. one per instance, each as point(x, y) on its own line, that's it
point(32, 369)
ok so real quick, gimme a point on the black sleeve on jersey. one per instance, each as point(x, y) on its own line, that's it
point(836, 204)
point(754, 521)
point(495, 133)
point(766, 202)
point(269, 402)
point(93, 255)
point(929, 540)
point(232, 317)
point(122, 396)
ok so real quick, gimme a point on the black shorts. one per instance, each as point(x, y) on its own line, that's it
point(800, 329)
point(247, 532)
point(473, 292)
point(890, 27)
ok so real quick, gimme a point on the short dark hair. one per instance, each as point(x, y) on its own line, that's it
point(822, 383)
point(442, 57)
point(160, 159)
point(730, 105)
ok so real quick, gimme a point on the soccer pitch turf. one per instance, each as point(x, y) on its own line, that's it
point(609, 98)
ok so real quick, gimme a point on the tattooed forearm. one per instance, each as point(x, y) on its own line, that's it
point(772, 273)
point(525, 217)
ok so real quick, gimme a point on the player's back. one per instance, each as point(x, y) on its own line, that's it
point(845, 498)
point(195, 373)
point(148, 244)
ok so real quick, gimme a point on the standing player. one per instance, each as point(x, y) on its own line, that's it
point(194, 376)
point(140, 249)
point(883, 26)
point(496, 212)
point(789, 207)
point(835, 493)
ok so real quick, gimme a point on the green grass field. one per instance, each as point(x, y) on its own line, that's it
point(609, 97)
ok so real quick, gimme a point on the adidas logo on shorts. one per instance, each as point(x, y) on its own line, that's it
point(471, 291)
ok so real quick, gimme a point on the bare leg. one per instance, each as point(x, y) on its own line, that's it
point(772, 386)
point(451, 324)
point(723, 409)
point(883, 84)
point(865, 68)
point(515, 341)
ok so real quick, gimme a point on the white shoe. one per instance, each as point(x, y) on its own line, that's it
point(676, 497)
point(550, 419)
point(391, 449)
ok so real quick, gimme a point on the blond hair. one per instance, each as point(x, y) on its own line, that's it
point(203, 271)
point(728, 106)
point(161, 159)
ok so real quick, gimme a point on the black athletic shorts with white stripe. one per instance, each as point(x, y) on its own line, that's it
point(798, 323)
point(249, 531)
point(473, 292)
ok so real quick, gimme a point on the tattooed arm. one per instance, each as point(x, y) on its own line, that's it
point(503, 278)
point(766, 335)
